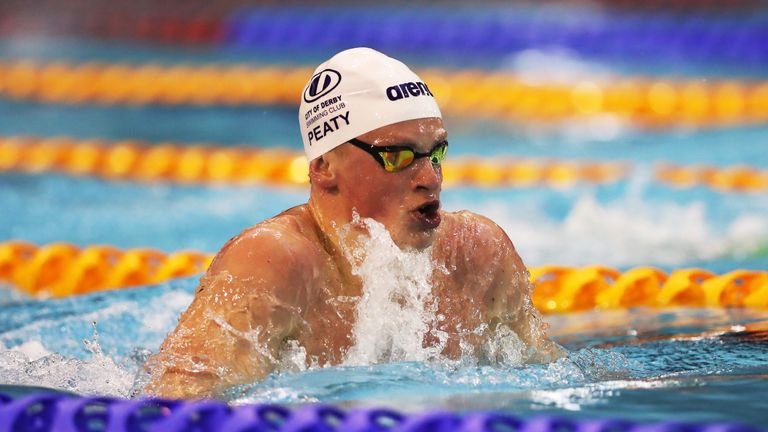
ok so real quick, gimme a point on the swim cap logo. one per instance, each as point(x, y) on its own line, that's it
point(408, 89)
point(321, 84)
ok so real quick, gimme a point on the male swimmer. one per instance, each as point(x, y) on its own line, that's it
point(374, 138)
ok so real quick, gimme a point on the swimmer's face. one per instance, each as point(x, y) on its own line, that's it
point(406, 202)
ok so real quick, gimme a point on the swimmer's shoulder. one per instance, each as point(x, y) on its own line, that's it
point(475, 238)
point(280, 243)
point(472, 226)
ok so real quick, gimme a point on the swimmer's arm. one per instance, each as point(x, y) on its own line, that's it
point(517, 310)
point(234, 329)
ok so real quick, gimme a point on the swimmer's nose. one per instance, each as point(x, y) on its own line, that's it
point(428, 176)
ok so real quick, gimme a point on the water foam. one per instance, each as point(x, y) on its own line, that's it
point(164, 312)
point(32, 364)
point(626, 232)
point(397, 311)
point(397, 308)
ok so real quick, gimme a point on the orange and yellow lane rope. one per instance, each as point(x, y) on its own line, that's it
point(62, 269)
point(135, 160)
point(476, 93)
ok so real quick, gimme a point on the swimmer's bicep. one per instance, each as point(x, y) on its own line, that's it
point(243, 308)
point(217, 343)
point(526, 320)
point(510, 280)
point(174, 383)
point(513, 279)
point(512, 285)
point(209, 352)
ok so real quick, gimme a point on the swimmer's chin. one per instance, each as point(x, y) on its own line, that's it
point(424, 230)
point(418, 241)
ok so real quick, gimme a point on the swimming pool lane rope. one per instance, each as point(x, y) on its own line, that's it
point(63, 269)
point(184, 163)
point(467, 93)
point(45, 412)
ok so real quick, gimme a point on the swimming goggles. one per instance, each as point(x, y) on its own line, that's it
point(397, 158)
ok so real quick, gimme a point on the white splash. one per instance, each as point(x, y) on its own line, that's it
point(98, 375)
point(747, 234)
point(397, 307)
point(164, 311)
point(626, 232)
point(293, 357)
point(504, 347)
point(33, 350)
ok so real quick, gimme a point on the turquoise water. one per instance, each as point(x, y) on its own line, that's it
point(686, 364)
point(645, 365)
point(636, 222)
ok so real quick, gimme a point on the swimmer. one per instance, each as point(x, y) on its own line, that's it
point(375, 140)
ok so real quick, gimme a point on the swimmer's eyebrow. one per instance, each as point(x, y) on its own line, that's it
point(415, 146)
point(405, 141)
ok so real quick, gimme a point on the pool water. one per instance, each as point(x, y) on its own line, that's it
point(643, 364)
point(640, 364)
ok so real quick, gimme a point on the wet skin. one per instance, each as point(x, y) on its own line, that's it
point(287, 278)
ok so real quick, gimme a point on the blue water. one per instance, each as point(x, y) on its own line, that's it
point(648, 365)
point(645, 365)
point(697, 227)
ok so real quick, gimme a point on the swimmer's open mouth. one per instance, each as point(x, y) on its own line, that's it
point(429, 208)
point(428, 214)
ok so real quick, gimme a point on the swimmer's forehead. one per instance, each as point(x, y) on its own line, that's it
point(423, 135)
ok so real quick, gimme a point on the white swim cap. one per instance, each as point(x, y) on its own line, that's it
point(357, 91)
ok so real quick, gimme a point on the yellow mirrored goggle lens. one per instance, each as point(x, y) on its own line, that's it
point(397, 160)
point(401, 159)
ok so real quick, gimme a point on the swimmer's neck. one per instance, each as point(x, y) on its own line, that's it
point(328, 229)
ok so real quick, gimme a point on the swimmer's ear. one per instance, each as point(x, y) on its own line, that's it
point(321, 174)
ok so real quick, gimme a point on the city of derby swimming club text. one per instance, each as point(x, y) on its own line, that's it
point(334, 106)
